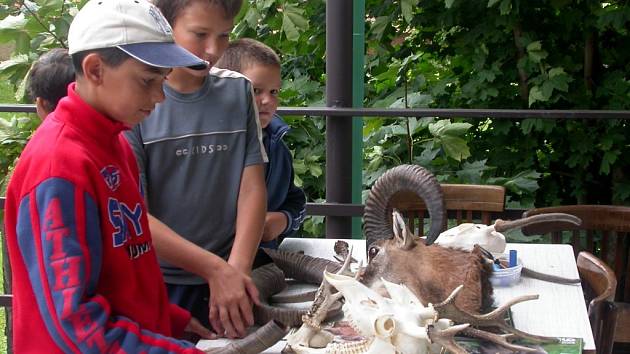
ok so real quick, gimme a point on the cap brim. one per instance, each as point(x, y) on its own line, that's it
point(164, 55)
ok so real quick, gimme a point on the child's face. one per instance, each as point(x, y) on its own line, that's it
point(266, 82)
point(129, 92)
point(203, 29)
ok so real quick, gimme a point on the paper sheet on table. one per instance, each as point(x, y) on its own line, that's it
point(218, 343)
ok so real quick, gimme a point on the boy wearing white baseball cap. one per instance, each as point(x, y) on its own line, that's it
point(85, 274)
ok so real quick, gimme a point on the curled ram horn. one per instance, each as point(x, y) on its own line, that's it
point(402, 179)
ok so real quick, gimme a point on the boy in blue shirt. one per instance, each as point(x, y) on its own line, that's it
point(285, 201)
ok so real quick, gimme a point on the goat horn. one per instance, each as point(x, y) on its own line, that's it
point(257, 342)
point(270, 279)
point(506, 225)
point(404, 178)
point(302, 267)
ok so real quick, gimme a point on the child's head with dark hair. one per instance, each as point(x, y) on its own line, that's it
point(48, 80)
point(203, 27)
point(262, 66)
point(171, 9)
point(246, 52)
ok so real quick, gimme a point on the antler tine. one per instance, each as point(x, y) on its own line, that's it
point(346, 262)
point(451, 297)
point(499, 339)
point(500, 311)
point(496, 318)
point(446, 337)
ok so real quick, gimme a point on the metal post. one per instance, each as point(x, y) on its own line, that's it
point(338, 94)
point(358, 76)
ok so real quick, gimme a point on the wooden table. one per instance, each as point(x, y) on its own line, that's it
point(559, 312)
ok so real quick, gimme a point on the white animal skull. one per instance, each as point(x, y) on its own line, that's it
point(466, 236)
point(396, 325)
point(490, 237)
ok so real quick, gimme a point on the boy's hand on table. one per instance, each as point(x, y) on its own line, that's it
point(232, 294)
point(194, 326)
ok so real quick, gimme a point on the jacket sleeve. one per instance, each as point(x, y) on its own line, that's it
point(293, 207)
point(134, 138)
point(60, 241)
point(179, 320)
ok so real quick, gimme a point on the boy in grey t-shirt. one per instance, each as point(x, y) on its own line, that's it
point(202, 158)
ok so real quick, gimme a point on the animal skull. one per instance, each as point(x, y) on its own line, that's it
point(398, 324)
point(490, 237)
point(466, 236)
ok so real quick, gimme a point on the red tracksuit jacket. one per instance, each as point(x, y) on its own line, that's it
point(85, 275)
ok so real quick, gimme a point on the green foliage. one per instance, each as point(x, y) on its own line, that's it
point(14, 133)
point(34, 27)
point(439, 53)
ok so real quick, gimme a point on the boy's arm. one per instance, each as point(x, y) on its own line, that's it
point(231, 291)
point(250, 218)
point(64, 269)
point(252, 197)
point(293, 209)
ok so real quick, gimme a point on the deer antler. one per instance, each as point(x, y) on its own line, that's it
point(446, 337)
point(496, 319)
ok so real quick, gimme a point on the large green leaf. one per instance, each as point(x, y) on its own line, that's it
point(455, 147)
point(608, 160)
point(293, 22)
point(492, 3)
point(444, 127)
point(536, 94)
point(535, 52)
point(407, 7)
point(471, 172)
point(413, 100)
point(12, 26)
point(18, 60)
point(523, 181)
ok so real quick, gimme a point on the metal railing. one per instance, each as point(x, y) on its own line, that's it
point(356, 210)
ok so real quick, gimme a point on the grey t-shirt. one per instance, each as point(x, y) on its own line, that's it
point(191, 151)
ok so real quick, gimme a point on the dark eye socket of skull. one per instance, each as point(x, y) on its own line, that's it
point(372, 252)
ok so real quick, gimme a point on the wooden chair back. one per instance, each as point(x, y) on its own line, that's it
point(605, 232)
point(463, 202)
point(622, 327)
point(599, 283)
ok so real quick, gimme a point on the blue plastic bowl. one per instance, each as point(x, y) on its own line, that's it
point(507, 276)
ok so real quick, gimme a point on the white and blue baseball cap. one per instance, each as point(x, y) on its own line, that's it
point(136, 27)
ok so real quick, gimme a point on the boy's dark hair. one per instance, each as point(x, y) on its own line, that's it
point(245, 52)
point(171, 8)
point(113, 57)
point(49, 77)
